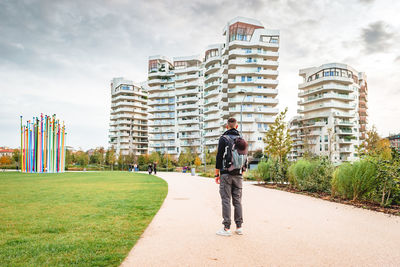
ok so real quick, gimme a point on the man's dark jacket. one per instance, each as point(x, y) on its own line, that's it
point(222, 143)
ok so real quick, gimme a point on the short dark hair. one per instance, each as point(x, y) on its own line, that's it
point(231, 123)
point(231, 120)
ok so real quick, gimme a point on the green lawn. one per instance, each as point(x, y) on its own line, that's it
point(74, 218)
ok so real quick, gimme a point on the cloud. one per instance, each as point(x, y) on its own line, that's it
point(397, 59)
point(59, 56)
point(377, 37)
point(366, 1)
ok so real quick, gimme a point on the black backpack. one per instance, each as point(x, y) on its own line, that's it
point(233, 159)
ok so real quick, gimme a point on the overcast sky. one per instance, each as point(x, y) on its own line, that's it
point(59, 56)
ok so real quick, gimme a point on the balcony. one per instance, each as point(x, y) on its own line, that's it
point(343, 141)
point(190, 144)
point(160, 73)
point(344, 150)
point(211, 117)
point(191, 122)
point(253, 71)
point(136, 99)
point(161, 138)
point(184, 70)
point(254, 110)
point(186, 77)
point(237, 43)
point(255, 52)
point(187, 92)
point(327, 87)
point(210, 60)
point(338, 79)
point(238, 100)
point(187, 99)
point(162, 95)
point(190, 136)
point(212, 93)
point(159, 81)
point(211, 126)
point(345, 132)
point(212, 68)
point(213, 109)
point(253, 90)
point(162, 130)
point(209, 86)
point(187, 107)
point(212, 76)
point(188, 114)
point(326, 105)
point(253, 81)
point(212, 134)
point(189, 129)
point(188, 84)
point(326, 96)
point(254, 62)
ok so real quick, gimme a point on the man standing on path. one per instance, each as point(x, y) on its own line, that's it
point(230, 164)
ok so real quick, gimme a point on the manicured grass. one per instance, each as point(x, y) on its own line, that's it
point(74, 218)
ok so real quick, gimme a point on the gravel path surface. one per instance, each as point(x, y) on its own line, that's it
point(280, 229)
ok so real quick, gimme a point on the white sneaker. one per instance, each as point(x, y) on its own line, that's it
point(224, 232)
point(239, 231)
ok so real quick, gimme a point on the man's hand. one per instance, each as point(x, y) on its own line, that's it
point(217, 177)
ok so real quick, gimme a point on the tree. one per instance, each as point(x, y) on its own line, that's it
point(16, 156)
point(5, 160)
point(186, 158)
point(82, 158)
point(101, 152)
point(154, 157)
point(211, 157)
point(110, 157)
point(68, 157)
point(331, 139)
point(370, 143)
point(197, 161)
point(277, 138)
point(258, 154)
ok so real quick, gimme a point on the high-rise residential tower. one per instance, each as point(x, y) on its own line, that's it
point(128, 118)
point(191, 98)
point(189, 105)
point(213, 120)
point(332, 101)
point(162, 111)
point(250, 77)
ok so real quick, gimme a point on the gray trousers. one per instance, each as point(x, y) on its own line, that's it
point(231, 187)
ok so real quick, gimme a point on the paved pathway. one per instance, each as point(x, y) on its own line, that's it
point(281, 229)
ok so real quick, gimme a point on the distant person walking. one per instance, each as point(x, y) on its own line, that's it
point(150, 168)
point(230, 164)
point(155, 167)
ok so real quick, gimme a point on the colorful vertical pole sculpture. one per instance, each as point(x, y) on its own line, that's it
point(43, 145)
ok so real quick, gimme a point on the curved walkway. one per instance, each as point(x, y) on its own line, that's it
point(281, 229)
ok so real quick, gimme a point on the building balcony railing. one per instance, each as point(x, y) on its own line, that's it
point(325, 87)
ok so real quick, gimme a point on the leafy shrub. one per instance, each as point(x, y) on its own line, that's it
point(355, 181)
point(311, 175)
point(263, 170)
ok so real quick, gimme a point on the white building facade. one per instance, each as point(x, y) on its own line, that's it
point(190, 98)
point(250, 77)
point(332, 113)
point(128, 118)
